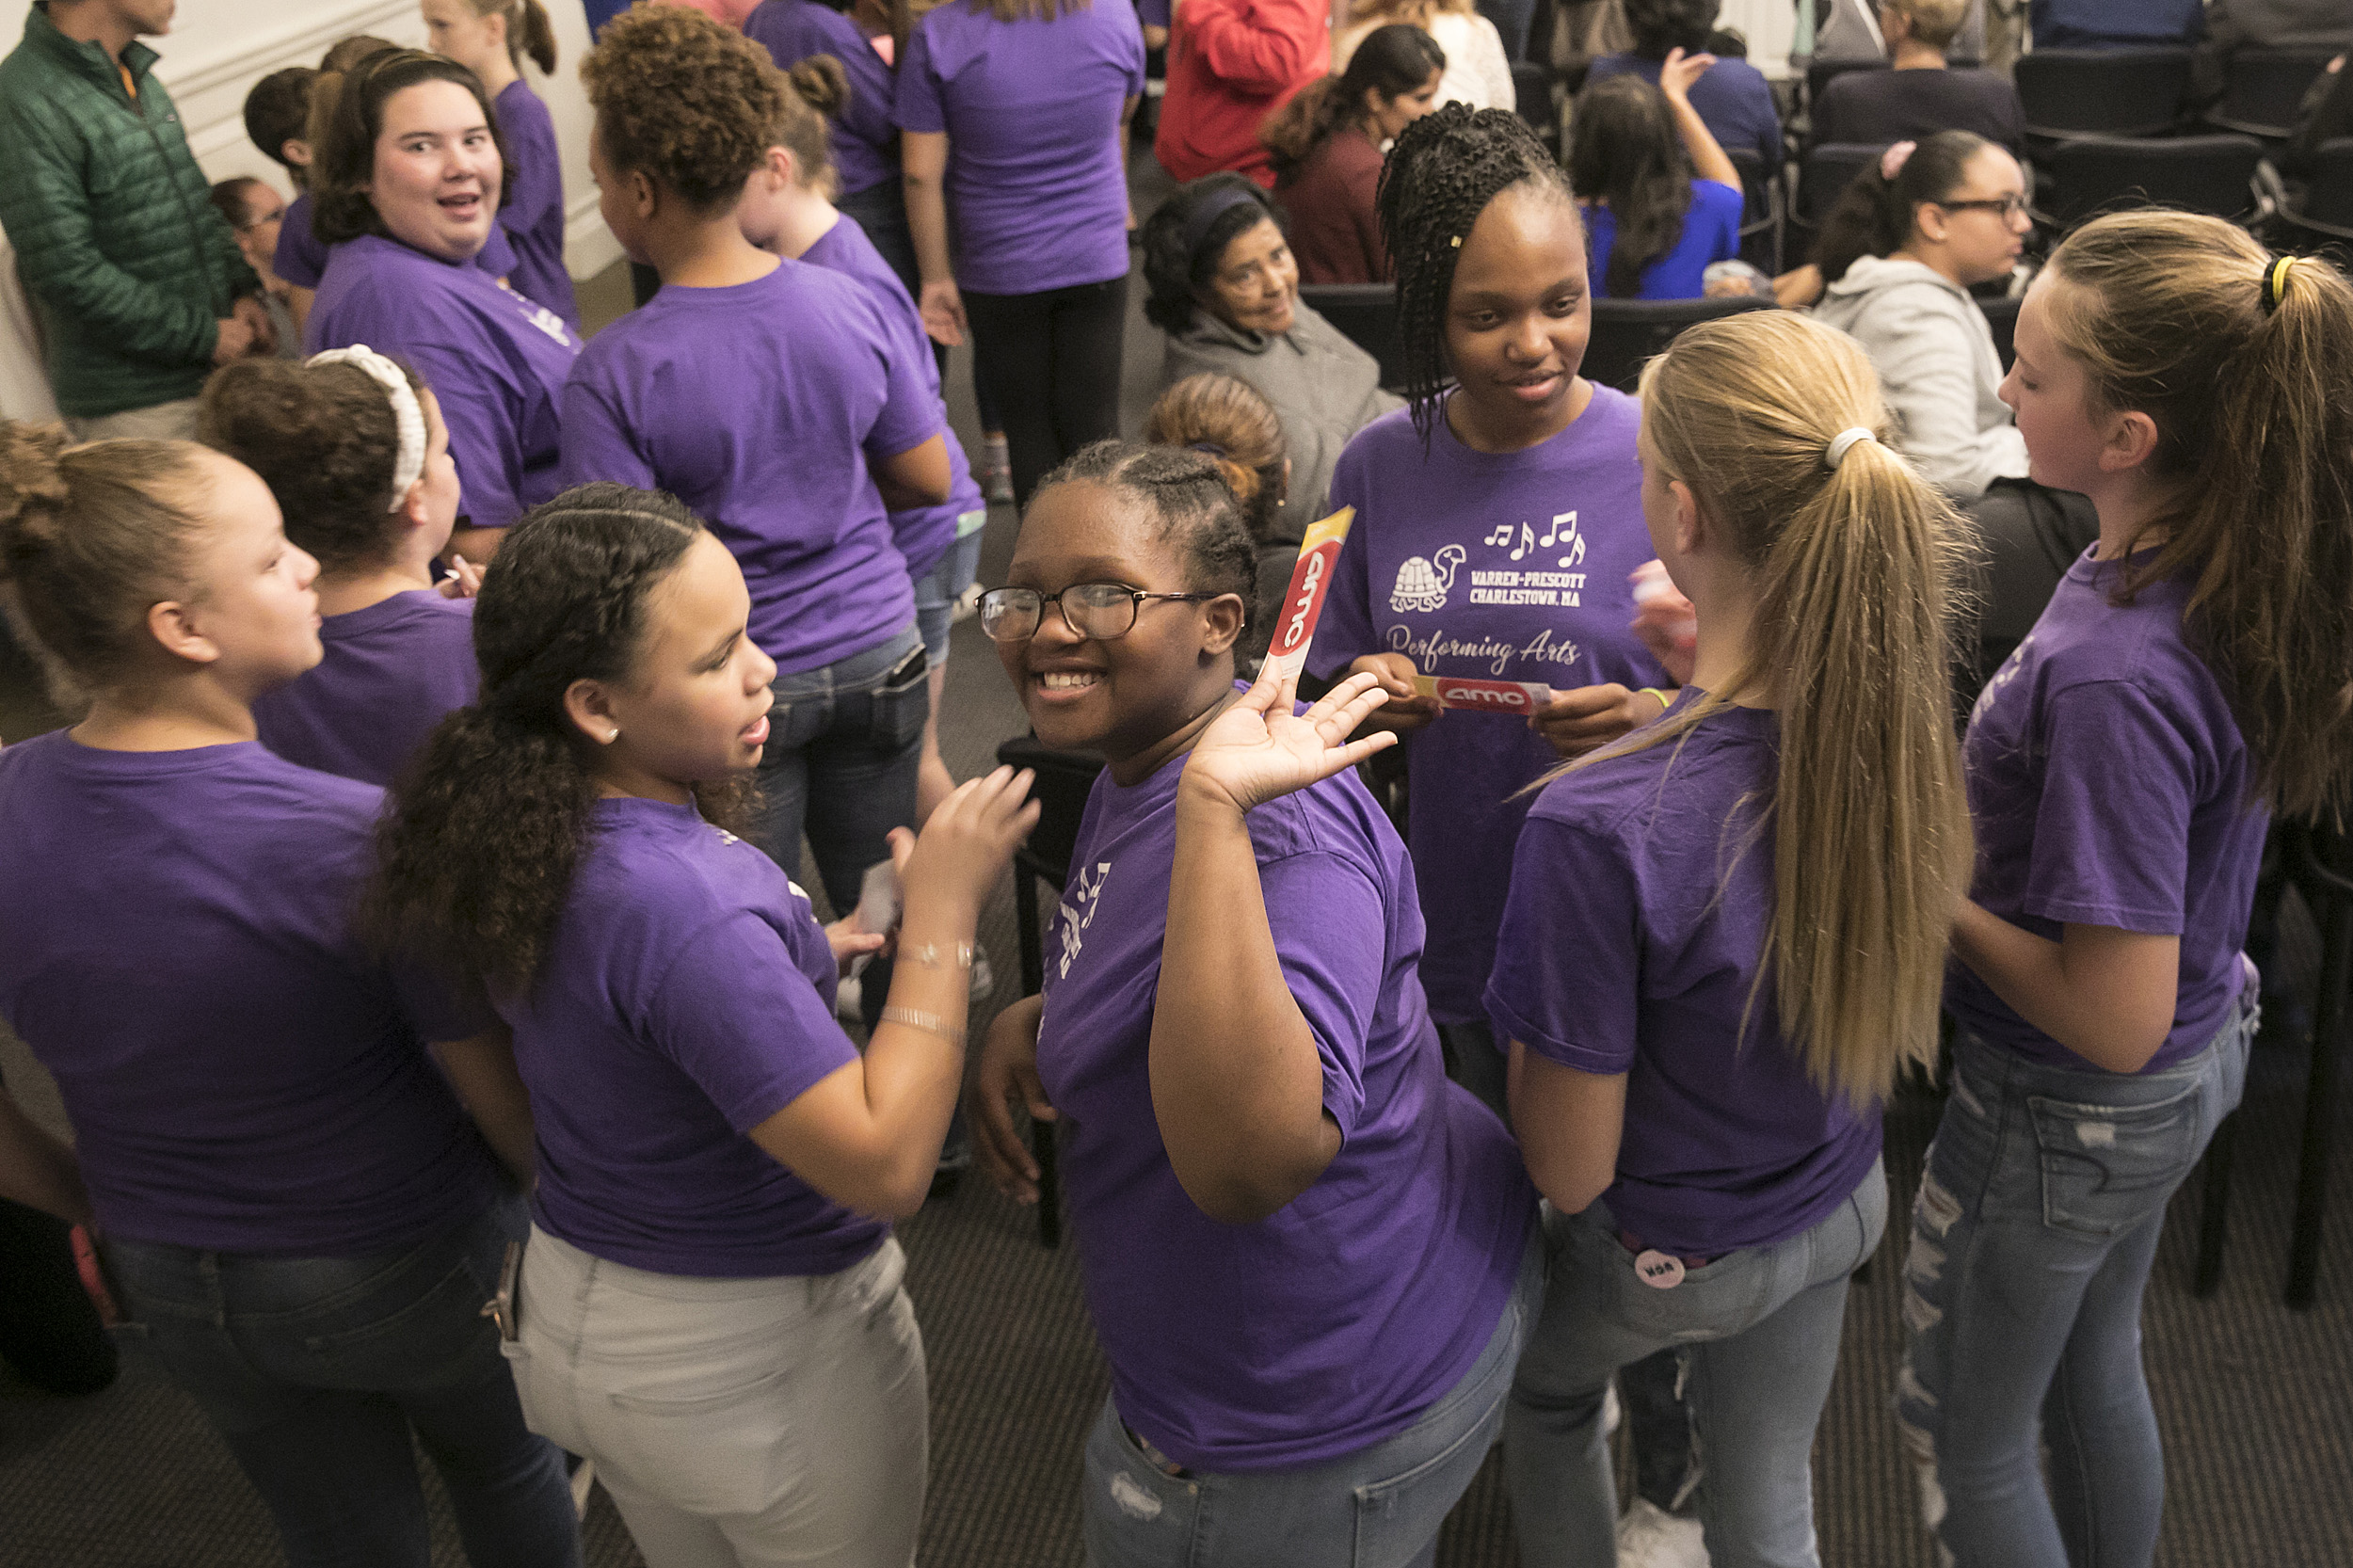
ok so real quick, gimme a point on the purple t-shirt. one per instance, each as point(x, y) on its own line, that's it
point(496, 362)
point(864, 141)
point(391, 673)
point(687, 996)
point(2109, 785)
point(533, 216)
point(1505, 565)
point(1036, 199)
point(300, 258)
point(761, 406)
point(924, 532)
point(1632, 936)
point(240, 1074)
point(1332, 1323)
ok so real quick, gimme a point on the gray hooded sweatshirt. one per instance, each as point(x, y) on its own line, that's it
point(1937, 364)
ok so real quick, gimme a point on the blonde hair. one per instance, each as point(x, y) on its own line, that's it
point(1934, 23)
point(2170, 314)
point(1227, 422)
point(1850, 640)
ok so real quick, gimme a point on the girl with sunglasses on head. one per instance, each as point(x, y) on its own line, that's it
point(1309, 1255)
point(2191, 677)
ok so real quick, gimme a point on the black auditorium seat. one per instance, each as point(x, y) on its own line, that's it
point(2102, 92)
point(1627, 334)
point(2264, 91)
point(2201, 174)
point(1366, 313)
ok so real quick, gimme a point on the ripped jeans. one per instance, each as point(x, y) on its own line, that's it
point(2031, 1241)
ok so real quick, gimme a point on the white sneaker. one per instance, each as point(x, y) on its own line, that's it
point(1650, 1537)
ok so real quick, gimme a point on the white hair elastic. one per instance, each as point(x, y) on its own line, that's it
point(408, 414)
point(1835, 452)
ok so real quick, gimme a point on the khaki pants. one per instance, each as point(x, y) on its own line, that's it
point(735, 1421)
point(165, 422)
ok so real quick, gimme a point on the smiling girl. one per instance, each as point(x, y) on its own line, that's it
point(710, 1275)
point(2192, 675)
point(409, 177)
point(290, 1197)
point(1307, 1254)
point(1497, 520)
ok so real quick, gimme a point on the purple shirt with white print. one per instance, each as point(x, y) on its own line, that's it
point(1504, 566)
point(1332, 1323)
point(1636, 925)
point(2109, 785)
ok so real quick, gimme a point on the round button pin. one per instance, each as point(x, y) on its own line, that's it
point(1658, 1271)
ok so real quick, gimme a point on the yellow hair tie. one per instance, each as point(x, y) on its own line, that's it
point(2275, 283)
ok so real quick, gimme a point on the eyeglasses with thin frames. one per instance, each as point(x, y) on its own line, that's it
point(1098, 612)
point(2010, 207)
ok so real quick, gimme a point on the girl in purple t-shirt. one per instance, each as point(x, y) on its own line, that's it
point(2187, 680)
point(711, 1277)
point(1497, 520)
point(774, 399)
point(1306, 1252)
point(490, 38)
point(1725, 939)
point(288, 1195)
point(353, 448)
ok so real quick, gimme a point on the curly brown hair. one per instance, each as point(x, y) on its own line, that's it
point(684, 101)
point(325, 441)
point(477, 847)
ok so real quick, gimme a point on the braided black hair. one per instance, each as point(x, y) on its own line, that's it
point(1190, 501)
point(1439, 177)
point(482, 835)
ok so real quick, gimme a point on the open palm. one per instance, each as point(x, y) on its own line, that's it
point(1259, 750)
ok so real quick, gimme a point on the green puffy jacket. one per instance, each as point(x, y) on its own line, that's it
point(128, 266)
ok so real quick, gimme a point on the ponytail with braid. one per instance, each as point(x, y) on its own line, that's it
point(1439, 177)
point(478, 846)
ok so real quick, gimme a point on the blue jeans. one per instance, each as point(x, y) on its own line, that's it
point(1759, 1329)
point(317, 1370)
point(1378, 1508)
point(2031, 1240)
point(845, 741)
point(937, 591)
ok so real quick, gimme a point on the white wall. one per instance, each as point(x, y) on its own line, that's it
point(216, 50)
point(1769, 25)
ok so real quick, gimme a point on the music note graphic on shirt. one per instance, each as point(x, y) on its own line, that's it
point(1528, 542)
point(1502, 535)
point(1566, 530)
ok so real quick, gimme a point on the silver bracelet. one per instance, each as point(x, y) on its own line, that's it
point(930, 1023)
point(928, 955)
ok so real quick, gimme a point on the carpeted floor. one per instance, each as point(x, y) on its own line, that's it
point(2256, 1401)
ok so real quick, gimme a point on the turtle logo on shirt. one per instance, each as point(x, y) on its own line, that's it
point(1423, 586)
point(1078, 912)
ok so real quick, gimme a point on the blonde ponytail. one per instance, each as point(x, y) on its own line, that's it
point(1853, 573)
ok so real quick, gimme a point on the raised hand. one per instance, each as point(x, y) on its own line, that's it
point(968, 840)
point(1681, 70)
point(1259, 749)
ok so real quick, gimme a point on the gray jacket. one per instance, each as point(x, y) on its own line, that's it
point(1938, 367)
point(1322, 387)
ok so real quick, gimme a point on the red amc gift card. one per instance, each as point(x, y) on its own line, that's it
point(1521, 697)
point(1311, 580)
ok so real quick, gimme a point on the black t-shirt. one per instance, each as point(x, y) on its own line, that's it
point(1879, 106)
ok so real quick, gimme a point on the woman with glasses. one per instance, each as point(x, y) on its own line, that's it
point(1309, 1255)
point(1900, 253)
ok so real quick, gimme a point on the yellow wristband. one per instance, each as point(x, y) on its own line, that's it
point(1666, 699)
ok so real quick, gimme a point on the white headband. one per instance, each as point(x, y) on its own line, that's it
point(1835, 452)
point(407, 415)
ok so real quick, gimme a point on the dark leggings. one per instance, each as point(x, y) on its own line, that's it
point(1050, 362)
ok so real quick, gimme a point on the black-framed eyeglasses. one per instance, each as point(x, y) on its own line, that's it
point(2009, 206)
point(1096, 611)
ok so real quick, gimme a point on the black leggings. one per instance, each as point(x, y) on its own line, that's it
point(1050, 364)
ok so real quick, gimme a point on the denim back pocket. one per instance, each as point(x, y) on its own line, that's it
point(899, 704)
point(2106, 1168)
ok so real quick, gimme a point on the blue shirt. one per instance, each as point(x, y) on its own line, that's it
point(1711, 232)
point(1734, 99)
point(2113, 23)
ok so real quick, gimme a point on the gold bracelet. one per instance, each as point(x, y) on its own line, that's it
point(928, 955)
point(930, 1023)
